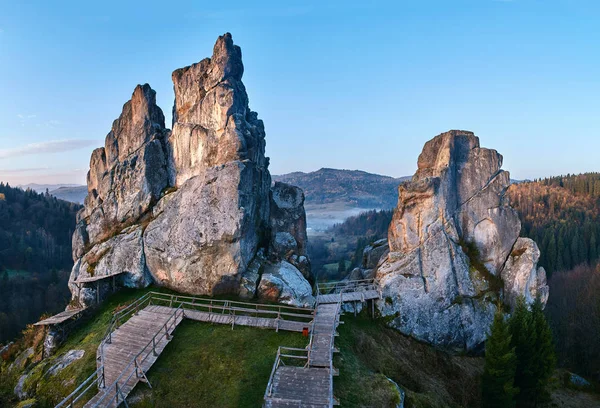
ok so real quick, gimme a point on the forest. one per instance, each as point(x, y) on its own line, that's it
point(561, 214)
point(337, 251)
point(35, 256)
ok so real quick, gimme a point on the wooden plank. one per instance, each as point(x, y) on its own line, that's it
point(60, 317)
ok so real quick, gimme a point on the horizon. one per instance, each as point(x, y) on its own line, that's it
point(519, 74)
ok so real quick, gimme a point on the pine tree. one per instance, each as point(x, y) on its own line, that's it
point(544, 360)
point(523, 339)
point(497, 384)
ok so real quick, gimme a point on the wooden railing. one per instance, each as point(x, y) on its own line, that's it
point(180, 302)
point(305, 355)
point(97, 377)
point(135, 365)
point(234, 308)
point(291, 355)
point(337, 287)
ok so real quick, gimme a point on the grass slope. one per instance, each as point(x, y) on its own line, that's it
point(213, 366)
point(370, 352)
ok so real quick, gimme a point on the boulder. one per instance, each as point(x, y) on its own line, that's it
point(64, 361)
point(521, 276)
point(288, 226)
point(449, 242)
point(284, 283)
point(374, 252)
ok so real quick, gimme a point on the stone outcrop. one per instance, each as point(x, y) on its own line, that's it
point(192, 209)
point(288, 226)
point(454, 246)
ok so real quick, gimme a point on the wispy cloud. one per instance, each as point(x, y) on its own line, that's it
point(52, 146)
point(25, 170)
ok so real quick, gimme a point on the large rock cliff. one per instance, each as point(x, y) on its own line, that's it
point(454, 247)
point(192, 208)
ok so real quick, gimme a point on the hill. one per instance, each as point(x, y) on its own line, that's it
point(334, 195)
point(356, 188)
point(41, 188)
point(35, 256)
point(73, 194)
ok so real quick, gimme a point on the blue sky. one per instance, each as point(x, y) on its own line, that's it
point(356, 85)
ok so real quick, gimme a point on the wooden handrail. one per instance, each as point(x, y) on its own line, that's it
point(182, 302)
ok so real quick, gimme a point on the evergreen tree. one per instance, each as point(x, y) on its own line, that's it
point(497, 384)
point(523, 339)
point(544, 360)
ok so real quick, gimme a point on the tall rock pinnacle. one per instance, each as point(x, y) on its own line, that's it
point(454, 246)
point(189, 209)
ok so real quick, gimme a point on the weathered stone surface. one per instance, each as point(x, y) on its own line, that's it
point(374, 252)
point(19, 390)
point(450, 238)
point(207, 234)
point(288, 226)
point(189, 209)
point(284, 283)
point(521, 276)
point(64, 361)
point(123, 253)
point(127, 176)
point(22, 360)
point(251, 276)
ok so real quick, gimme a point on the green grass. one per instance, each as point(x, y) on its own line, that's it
point(213, 366)
point(49, 390)
point(370, 352)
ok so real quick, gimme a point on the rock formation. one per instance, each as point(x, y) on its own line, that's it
point(192, 208)
point(454, 247)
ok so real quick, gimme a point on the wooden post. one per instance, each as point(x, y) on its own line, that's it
point(373, 308)
point(167, 332)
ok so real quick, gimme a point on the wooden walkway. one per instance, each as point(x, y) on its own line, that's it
point(311, 385)
point(361, 296)
point(139, 333)
point(126, 344)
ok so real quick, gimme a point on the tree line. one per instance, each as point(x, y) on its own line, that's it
point(35, 256)
point(519, 359)
point(562, 214)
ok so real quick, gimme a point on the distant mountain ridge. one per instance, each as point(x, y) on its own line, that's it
point(73, 193)
point(355, 188)
point(41, 188)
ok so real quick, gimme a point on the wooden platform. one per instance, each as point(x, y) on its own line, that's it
point(122, 374)
point(242, 320)
point(60, 317)
point(310, 385)
point(326, 322)
point(360, 296)
point(301, 387)
point(126, 343)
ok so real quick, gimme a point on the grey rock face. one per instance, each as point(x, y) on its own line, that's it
point(450, 240)
point(521, 276)
point(284, 283)
point(64, 361)
point(189, 208)
point(288, 226)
